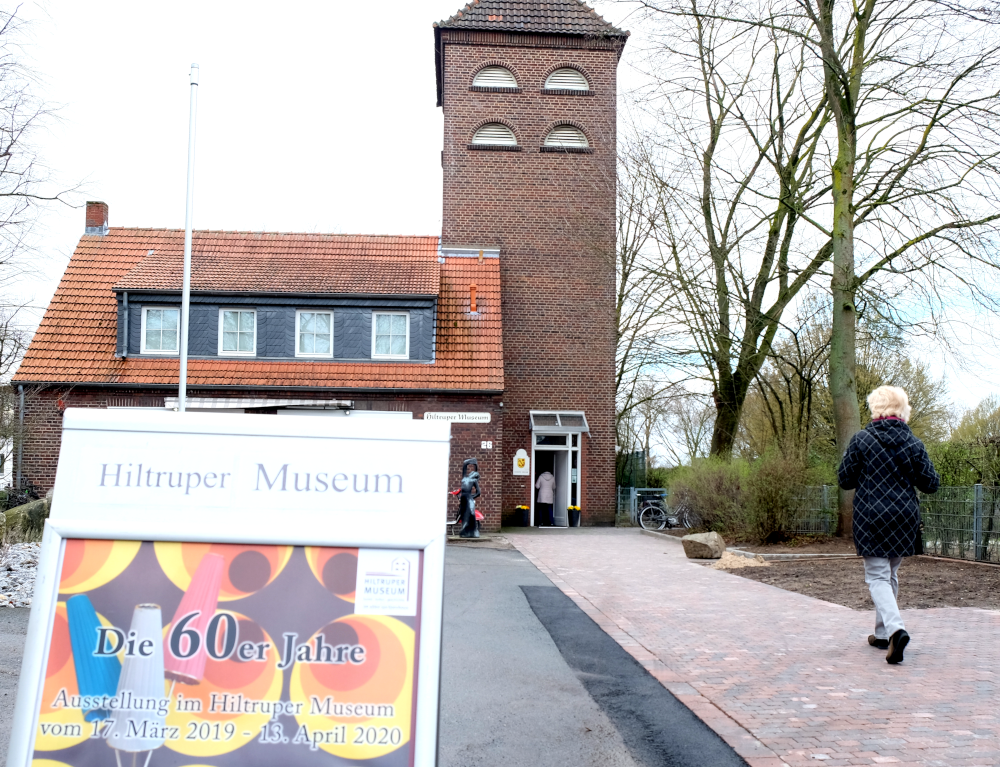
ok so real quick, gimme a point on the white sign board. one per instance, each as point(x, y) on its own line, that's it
point(522, 464)
point(289, 570)
point(459, 417)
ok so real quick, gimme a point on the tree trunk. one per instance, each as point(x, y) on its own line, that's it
point(728, 409)
point(843, 382)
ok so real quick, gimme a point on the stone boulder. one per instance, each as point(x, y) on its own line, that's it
point(703, 546)
point(22, 519)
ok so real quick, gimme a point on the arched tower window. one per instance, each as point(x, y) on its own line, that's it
point(567, 79)
point(494, 134)
point(494, 77)
point(566, 136)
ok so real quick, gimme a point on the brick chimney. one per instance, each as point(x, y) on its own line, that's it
point(97, 218)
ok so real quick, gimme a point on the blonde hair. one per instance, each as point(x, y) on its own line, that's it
point(889, 401)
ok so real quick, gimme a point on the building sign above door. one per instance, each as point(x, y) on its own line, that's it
point(522, 464)
point(459, 417)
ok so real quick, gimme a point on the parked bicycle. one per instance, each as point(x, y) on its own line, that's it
point(655, 514)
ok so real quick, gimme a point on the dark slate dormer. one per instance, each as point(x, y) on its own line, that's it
point(278, 275)
point(276, 322)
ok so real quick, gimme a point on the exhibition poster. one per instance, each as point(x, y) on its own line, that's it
point(164, 652)
point(280, 606)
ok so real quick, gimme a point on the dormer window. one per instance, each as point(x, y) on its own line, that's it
point(315, 334)
point(238, 332)
point(391, 335)
point(566, 137)
point(159, 330)
point(567, 79)
point(494, 134)
point(494, 77)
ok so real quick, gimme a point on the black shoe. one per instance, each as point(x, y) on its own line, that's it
point(897, 643)
point(874, 641)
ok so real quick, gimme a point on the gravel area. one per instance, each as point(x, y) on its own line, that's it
point(18, 563)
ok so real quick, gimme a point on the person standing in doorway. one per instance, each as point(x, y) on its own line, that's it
point(886, 464)
point(546, 485)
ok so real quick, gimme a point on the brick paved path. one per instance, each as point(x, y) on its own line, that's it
point(784, 678)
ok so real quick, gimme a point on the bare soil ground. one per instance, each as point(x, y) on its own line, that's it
point(824, 544)
point(923, 582)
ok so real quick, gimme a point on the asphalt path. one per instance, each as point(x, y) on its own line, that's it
point(13, 628)
point(657, 728)
point(508, 698)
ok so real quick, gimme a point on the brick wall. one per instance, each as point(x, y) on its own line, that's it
point(44, 408)
point(553, 217)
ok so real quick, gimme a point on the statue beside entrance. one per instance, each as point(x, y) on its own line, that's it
point(467, 500)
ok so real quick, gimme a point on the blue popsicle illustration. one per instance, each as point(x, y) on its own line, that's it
point(95, 676)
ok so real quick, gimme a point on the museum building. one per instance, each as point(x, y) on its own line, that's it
point(504, 325)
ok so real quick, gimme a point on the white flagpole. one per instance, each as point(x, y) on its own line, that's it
point(188, 224)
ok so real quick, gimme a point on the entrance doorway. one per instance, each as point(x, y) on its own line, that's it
point(557, 454)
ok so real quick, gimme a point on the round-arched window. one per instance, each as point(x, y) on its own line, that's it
point(566, 136)
point(567, 79)
point(494, 134)
point(494, 77)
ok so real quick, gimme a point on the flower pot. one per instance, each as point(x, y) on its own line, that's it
point(522, 517)
point(574, 517)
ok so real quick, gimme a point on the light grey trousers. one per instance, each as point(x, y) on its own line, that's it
point(880, 575)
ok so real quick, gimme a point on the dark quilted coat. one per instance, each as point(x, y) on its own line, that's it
point(887, 465)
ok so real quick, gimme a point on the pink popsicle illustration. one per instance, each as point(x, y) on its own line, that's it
point(202, 597)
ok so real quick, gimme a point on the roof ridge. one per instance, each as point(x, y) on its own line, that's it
point(257, 232)
point(551, 20)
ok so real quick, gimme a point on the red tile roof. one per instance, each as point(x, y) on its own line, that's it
point(75, 343)
point(565, 17)
point(265, 262)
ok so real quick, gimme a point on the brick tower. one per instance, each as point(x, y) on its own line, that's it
point(528, 89)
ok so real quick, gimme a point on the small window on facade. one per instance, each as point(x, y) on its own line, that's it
point(566, 136)
point(494, 77)
point(160, 330)
point(315, 334)
point(567, 79)
point(238, 334)
point(494, 134)
point(391, 335)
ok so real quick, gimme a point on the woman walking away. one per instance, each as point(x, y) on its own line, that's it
point(885, 462)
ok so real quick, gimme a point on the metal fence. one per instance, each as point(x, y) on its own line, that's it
point(630, 500)
point(815, 511)
point(959, 522)
point(962, 523)
point(625, 509)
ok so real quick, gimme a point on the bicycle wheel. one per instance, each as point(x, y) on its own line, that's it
point(653, 518)
point(686, 516)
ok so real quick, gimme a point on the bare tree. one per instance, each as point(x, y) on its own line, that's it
point(785, 406)
point(648, 363)
point(26, 184)
point(13, 343)
point(908, 156)
point(911, 84)
point(685, 430)
point(739, 126)
point(790, 407)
